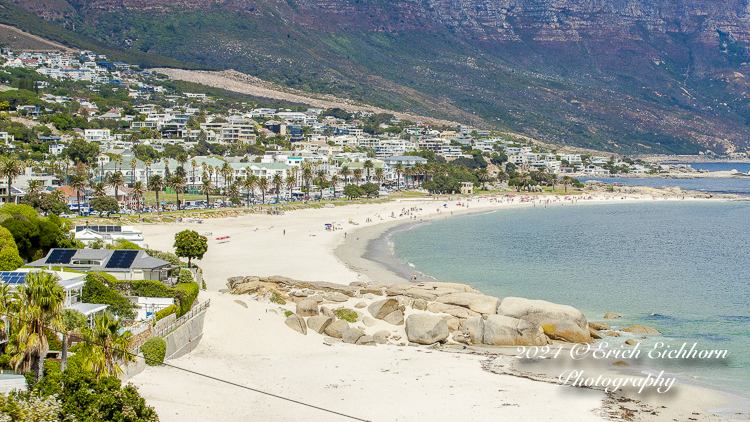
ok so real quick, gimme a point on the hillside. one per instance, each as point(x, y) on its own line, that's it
point(629, 77)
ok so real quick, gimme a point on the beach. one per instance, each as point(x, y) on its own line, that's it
point(249, 345)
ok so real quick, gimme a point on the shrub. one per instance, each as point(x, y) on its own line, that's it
point(98, 290)
point(204, 284)
point(275, 298)
point(346, 314)
point(154, 351)
point(186, 276)
point(123, 244)
point(145, 288)
point(287, 313)
point(9, 257)
point(186, 293)
point(169, 310)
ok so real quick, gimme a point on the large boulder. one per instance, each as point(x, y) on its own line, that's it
point(247, 288)
point(366, 341)
point(477, 302)
point(611, 315)
point(336, 329)
point(351, 335)
point(307, 307)
point(296, 323)
point(426, 329)
point(319, 323)
point(599, 326)
point(327, 312)
point(336, 297)
point(501, 330)
point(369, 322)
point(381, 308)
point(641, 329)
point(456, 311)
point(475, 325)
point(395, 318)
point(559, 322)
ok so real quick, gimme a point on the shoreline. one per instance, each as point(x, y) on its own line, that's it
point(375, 259)
point(296, 245)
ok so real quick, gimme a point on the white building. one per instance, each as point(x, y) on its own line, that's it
point(97, 135)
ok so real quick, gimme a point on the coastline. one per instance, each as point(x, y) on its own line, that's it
point(306, 251)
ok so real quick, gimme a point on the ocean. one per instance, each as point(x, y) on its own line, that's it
point(679, 267)
point(735, 186)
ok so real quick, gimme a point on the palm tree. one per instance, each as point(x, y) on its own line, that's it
point(368, 165)
point(137, 193)
point(35, 186)
point(345, 173)
point(73, 322)
point(263, 186)
point(58, 195)
point(357, 175)
point(226, 173)
point(418, 169)
point(41, 304)
point(484, 175)
point(251, 181)
point(335, 181)
point(399, 168)
point(148, 163)
point(119, 160)
point(567, 180)
point(234, 191)
point(8, 300)
point(277, 183)
point(78, 182)
point(100, 189)
point(320, 180)
point(133, 164)
point(207, 188)
point(193, 164)
point(116, 181)
point(156, 184)
point(525, 180)
point(10, 168)
point(177, 184)
point(105, 345)
point(307, 175)
point(290, 182)
point(379, 175)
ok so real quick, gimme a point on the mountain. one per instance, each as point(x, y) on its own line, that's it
point(629, 76)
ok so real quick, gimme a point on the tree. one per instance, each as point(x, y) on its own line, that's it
point(189, 244)
point(367, 166)
point(357, 175)
point(10, 168)
point(290, 181)
point(116, 181)
point(177, 184)
point(334, 181)
point(345, 173)
point(9, 258)
point(104, 204)
point(156, 184)
point(379, 175)
point(100, 189)
point(207, 188)
point(277, 183)
point(137, 192)
point(78, 182)
point(40, 306)
point(251, 181)
point(399, 168)
point(321, 179)
point(133, 165)
point(352, 191)
point(81, 151)
point(263, 186)
point(105, 345)
point(369, 189)
point(73, 322)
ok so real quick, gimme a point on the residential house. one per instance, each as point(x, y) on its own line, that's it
point(123, 264)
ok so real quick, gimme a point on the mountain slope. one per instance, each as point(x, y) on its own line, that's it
point(626, 76)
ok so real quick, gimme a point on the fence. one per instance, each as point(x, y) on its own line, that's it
point(183, 319)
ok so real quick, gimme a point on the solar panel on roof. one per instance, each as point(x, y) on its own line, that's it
point(121, 259)
point(60, 256)
point(13, 278)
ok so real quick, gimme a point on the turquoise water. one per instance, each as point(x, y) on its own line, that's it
point(681, 268)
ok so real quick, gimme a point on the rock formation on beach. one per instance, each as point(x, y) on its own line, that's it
point(428, 313)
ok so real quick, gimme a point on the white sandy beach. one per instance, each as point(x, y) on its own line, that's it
point(254, 348)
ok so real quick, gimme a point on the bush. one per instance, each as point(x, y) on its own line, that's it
point(346, 314)
point(123, 244)
point(98, 290)
point(186, 293)
point(169, 310)
point(9, 257)
point(144, 288)
point(287, 313)
point(154, 351)
point(186, 276)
